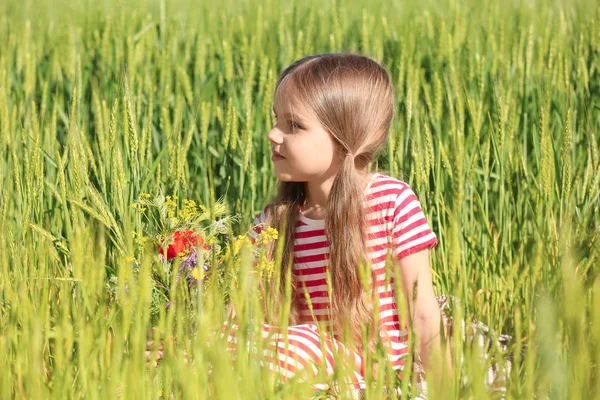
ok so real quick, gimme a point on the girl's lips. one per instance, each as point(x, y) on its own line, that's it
point(277, 157)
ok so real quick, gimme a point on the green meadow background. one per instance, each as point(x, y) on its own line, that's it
point(497, 131)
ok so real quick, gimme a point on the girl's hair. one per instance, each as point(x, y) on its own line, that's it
point(353, 99)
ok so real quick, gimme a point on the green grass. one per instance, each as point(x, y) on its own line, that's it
point(497, 130)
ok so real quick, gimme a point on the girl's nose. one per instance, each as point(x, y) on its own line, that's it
point(274, 136)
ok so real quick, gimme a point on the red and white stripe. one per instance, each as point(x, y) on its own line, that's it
point(395, 221)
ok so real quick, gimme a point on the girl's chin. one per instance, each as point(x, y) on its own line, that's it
point(285, 177)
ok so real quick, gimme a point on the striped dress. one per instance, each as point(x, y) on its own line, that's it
point(396, 222)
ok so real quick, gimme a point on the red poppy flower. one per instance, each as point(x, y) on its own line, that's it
point(183, 241)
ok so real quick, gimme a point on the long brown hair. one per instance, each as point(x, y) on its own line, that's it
point(353, 99)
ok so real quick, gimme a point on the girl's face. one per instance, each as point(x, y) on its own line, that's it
point(308, 151)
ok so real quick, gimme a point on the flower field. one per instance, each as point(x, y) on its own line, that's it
point(134, 158)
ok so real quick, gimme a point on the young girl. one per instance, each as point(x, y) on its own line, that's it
point(334, 113)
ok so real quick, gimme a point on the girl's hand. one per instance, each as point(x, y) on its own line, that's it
point(154, 355)
point(156, 351)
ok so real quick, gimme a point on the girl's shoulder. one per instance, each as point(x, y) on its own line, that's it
point(383, 179)
point(391, 196)
point(386, 186)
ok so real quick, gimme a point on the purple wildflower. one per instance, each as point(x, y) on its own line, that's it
point(192, 280)
point(189, 262)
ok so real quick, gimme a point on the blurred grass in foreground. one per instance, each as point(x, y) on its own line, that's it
point(497, 130)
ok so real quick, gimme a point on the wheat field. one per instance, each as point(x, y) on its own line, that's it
point(497, 129)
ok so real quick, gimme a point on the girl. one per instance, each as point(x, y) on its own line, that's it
point(334, 113)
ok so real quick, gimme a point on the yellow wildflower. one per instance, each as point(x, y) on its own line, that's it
point(189, 210)
point(171, 206)
point(134, 206)
point(266, 265)
point(129, 259)
point(140, 240)
point(198, 274)
point(268, 235)
point(242, 240)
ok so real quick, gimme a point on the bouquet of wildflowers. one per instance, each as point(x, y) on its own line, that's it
point(187, 241)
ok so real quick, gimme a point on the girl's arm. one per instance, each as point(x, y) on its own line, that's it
point(412, 239)
point(424, 310)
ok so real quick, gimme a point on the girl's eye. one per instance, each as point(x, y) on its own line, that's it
point(293, 125)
